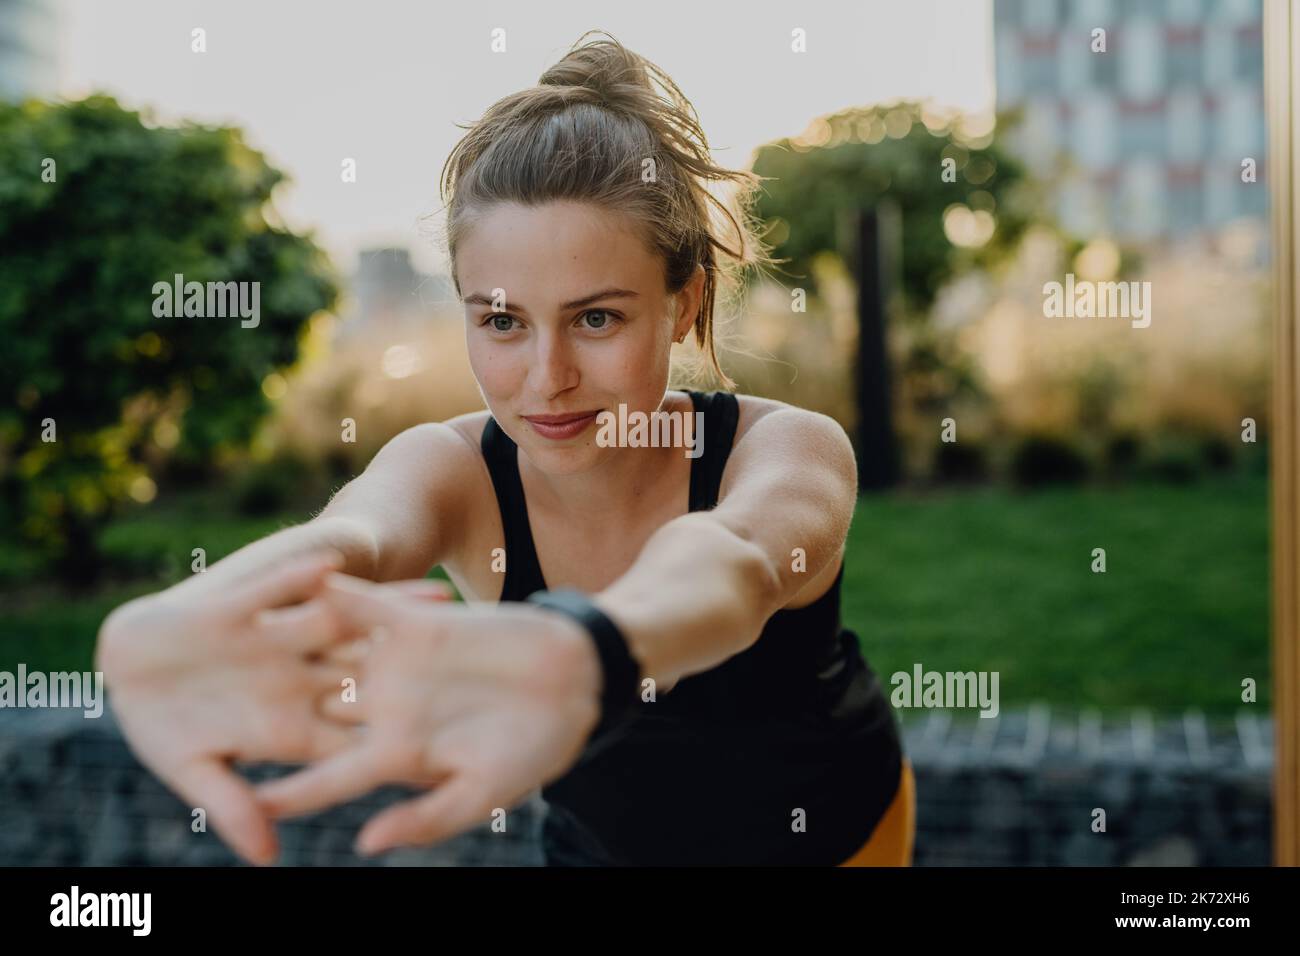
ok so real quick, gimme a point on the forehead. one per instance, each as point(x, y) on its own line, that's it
point(563, 249)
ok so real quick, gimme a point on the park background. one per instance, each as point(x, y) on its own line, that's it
point(1072, 434)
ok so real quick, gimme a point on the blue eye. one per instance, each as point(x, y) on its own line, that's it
point(606, 318)
point(496, 320)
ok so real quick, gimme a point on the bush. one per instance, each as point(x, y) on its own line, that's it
point(960, 462)
point(92, 366)
point(1173, 458)
point(1122, 453)
point(1042, 459)
point(1217, 453)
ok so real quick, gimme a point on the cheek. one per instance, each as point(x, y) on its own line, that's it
point(495, 369)
point(644, 367)
point(641, 353)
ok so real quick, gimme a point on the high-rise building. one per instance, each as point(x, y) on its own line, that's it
point(28, 49)
point(1146, 140)
point(386, 289)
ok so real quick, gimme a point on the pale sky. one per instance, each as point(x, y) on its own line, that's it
point(385, 82)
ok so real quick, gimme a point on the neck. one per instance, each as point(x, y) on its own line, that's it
point(617, 488)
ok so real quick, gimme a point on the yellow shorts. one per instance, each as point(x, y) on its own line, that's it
point(891, 842)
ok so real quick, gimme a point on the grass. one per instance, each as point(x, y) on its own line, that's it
point(977, 579)
point(994, 580)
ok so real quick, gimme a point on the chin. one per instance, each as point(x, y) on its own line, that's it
point(564, 459)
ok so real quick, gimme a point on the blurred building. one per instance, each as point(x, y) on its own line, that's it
point(1146, 140)
point(28, 48)
point(388, 293)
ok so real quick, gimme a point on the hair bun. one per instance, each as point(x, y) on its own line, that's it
point(605, 67)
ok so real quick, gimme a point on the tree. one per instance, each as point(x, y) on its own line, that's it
point(98, 205)
point(864, 156)
point(954, 199)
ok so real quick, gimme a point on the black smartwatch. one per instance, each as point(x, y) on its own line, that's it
point(621, 673)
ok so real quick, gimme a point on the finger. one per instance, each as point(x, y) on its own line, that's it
point(335, 707)
point(335, 780)
point(332, 677)
point(300, 735)
point(457, 805)
point(329, 740)
point(428, 589)
point(362, 605)
point(302, 629)
point(232, 807)
point(350, 653)
point(297, 580)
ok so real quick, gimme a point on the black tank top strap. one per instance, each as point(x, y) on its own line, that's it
point(523, 572)
point(721, 413)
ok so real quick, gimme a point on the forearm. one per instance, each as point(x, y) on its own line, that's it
point(349, 538)
point(697, 594)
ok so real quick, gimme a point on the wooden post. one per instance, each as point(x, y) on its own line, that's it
point(876, 447)
point(1282, 91)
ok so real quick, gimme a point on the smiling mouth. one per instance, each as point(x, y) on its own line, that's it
point(561, 426)
point(561, 419)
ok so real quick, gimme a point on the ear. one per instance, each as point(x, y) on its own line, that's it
point(689, 300)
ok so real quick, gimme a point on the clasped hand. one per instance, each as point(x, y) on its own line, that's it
point(477, 704)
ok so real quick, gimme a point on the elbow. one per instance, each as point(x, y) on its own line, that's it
point(760, 579)
point(755, 577)
point(358, 544)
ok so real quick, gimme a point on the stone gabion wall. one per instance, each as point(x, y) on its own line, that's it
point(1022, 788)
point(1019, 789)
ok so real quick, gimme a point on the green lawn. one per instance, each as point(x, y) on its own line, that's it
point(985, 579)
point(999, 581)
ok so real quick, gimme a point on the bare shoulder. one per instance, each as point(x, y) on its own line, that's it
point(442, 443)
point(751, 407)
point(792, 477)
point(786, 443)
point(464, 434)
point(418, 496)
point(470, 428)
point(754, 409)
point(801, 429)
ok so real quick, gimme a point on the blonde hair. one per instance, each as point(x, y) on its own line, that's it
point(584, 133)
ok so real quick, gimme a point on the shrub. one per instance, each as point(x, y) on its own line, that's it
point(960, 462)
point(1172, 458)
point(129, 205)
point(1122, 453)
point(1042, 459)
point(1217, 453)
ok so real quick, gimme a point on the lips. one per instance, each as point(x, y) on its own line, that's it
point(560, 427)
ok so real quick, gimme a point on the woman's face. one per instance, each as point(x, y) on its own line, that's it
point(567, 315)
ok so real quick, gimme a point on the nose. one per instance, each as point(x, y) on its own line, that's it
point(555, 368)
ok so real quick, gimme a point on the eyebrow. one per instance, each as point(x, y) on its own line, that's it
point(478, 298)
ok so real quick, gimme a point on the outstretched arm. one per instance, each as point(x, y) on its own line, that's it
point(486, 703)
point(705, 583)
point(395, 520)
point(232, 663)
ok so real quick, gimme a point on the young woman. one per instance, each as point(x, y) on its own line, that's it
point(652, 633)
